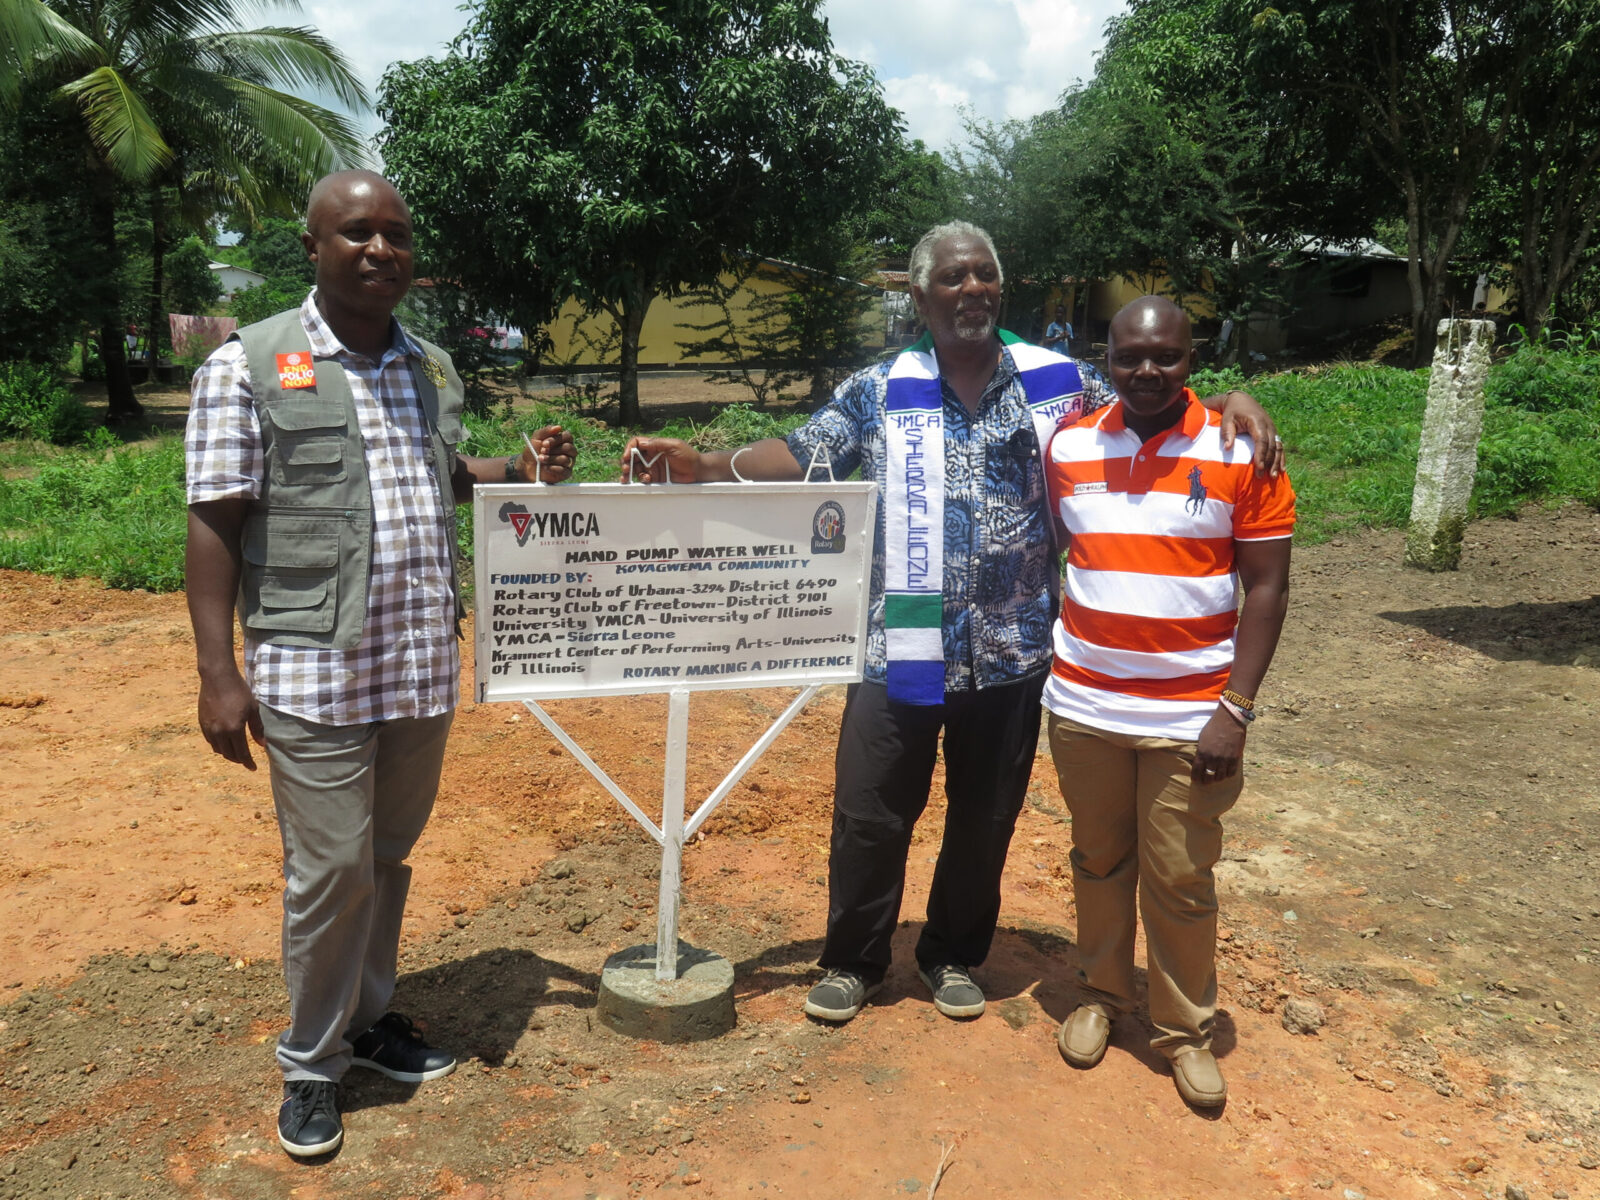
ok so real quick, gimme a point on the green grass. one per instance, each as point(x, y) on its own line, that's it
point(117, 512)
point(1352, 434)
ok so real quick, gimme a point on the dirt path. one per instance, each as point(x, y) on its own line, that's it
point(1412, 855)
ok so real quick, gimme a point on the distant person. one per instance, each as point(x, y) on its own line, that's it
point(957, 663)
point(1154, 680)
point(322, 481)
point(1224, 352)
point(1058, 334)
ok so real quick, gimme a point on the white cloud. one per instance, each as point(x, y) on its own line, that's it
point(1004, 59)
point(375, 35)
point(932, 107)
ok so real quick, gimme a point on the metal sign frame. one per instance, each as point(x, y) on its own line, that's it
point(674, 830)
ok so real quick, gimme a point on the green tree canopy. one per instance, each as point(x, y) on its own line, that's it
point(1431, 87)
point(277, 252)
point(172, 93)
point(1174, 158)
point(615, 149)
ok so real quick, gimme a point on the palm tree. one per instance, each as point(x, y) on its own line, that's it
point(171, 94)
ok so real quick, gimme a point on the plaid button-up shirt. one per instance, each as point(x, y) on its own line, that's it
point(407, 662)
point(998, 556)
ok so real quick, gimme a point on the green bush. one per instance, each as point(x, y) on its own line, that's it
point(35, 404)
point(1514, 466)
point(1544, 377)
point(253, 304)
point(1211, 381)
point(119, 515)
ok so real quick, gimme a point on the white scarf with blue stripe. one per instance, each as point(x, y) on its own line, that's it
point(913, 513)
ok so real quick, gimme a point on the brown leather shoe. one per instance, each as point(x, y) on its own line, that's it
point(1082, 1040)
point(1198, 1077)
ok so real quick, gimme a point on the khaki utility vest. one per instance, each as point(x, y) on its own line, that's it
point(307, 540)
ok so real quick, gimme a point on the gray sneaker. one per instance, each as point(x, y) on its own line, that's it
point(839, 996)
point(954, 993)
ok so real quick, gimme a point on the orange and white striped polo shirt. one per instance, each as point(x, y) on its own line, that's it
point(1144, 642)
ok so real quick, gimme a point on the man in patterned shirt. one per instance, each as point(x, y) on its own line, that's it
point(991, 394)
point(322, 480)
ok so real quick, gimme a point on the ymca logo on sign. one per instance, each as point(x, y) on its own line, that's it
point(295, 370)
point(519, 518)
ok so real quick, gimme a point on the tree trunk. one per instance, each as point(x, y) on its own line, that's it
point(158, 246)
point(121, 405)
point(821, 390)
point(1416, 283)
point(634, 306)
point(120, 402)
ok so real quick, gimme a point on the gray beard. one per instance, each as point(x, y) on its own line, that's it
point(975, 333)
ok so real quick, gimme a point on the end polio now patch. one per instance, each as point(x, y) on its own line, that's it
point(295, 370)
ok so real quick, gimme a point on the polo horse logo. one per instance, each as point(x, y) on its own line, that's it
point(1197, 493)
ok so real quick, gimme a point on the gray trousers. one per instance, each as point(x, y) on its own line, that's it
point(352, 801)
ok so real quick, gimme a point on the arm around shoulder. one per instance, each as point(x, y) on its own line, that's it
point(1240, 409)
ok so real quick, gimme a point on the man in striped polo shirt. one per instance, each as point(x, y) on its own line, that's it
point(1154, 680)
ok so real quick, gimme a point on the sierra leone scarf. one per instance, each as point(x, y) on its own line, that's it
point(913, 609)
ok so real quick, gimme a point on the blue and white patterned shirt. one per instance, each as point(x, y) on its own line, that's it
point(998, 558)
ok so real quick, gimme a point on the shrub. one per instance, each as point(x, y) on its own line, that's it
point(1210, 381)
point(119, 515)
point(1514, 466)
point(35, 404)
point(253, 304)
point(1544, 377)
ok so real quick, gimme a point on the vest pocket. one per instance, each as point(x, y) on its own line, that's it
point(310, 460)
point(292, 583)
point(451, 429)
point(308, 442)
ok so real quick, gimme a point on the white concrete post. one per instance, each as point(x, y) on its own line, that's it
point(1447, 460)
point(672, 833)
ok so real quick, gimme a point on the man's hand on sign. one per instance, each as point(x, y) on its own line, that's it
point(668, 460)
point(660, 460)
point(557, 454)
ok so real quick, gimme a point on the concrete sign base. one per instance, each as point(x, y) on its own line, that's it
point(695, 1006)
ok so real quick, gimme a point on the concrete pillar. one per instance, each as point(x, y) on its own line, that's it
point(1447, 460)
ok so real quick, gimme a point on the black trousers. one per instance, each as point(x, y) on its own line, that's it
point(882, 773)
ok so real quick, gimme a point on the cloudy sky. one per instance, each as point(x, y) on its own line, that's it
point(999, 58)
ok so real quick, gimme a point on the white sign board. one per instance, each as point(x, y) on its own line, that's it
point(612, 589)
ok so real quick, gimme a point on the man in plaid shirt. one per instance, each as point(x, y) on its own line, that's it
point(315, 447)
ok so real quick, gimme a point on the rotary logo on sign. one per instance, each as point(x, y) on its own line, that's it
point(827, 529)
point(295, 370)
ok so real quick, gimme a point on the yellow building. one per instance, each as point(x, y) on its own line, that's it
point(669, 323)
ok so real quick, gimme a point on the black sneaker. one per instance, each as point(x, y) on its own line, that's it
point(394, 1047)
point(954, 993)
point(308, 1122)
point(839, 996)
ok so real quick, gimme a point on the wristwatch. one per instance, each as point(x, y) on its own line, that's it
point(512, 474)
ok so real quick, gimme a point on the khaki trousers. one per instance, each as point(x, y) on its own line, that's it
point(352, 801)
point(1141, 829)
